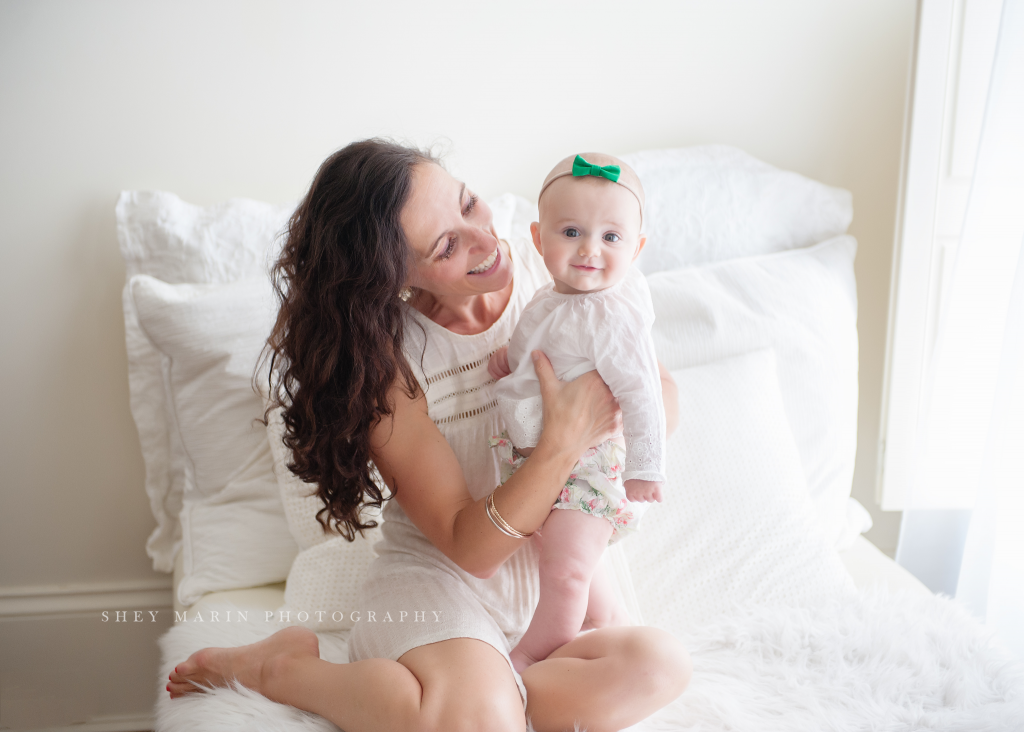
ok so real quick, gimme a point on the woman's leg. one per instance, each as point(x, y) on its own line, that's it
point(573, 544)
point(457, 684)
point(606, 680)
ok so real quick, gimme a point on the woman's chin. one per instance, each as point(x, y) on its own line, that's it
point(494, 282)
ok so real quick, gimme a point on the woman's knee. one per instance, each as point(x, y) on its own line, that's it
point(662, 659)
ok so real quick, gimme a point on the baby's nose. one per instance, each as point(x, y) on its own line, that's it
point(589, 247)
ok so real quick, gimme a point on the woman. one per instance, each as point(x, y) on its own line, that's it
point(395, 291)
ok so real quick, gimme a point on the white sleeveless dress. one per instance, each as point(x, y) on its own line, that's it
point(416, 594)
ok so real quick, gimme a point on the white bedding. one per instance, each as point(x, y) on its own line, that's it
point(895, 657)
point(770, 277)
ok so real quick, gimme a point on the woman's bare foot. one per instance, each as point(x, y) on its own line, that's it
point(246, 664)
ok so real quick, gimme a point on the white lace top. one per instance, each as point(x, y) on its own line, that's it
point(608, 330)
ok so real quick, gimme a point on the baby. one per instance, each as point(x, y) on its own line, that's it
point(596, 314)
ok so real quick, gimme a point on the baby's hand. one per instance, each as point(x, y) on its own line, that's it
point(497, 367)
point(646, 491)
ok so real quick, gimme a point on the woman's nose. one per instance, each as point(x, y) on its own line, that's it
point(482, 238)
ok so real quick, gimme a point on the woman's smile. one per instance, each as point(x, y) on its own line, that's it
point(489, 264)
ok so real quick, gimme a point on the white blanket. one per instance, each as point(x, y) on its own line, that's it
point(885, 661)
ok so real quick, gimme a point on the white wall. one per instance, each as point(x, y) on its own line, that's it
point(213, 100)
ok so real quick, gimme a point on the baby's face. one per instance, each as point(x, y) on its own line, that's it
point(588, 234)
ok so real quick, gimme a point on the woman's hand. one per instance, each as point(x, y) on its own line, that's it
point(670, 397)
point(577, 414)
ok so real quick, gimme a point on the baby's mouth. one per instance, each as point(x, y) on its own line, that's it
point(486, 264)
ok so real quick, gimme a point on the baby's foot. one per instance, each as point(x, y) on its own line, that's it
point(521, 660)
point(245, 664)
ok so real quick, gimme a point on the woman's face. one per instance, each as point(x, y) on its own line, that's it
point(455, 249)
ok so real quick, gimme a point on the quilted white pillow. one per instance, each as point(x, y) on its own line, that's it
point(209, 337)
point(327, 573)
point(736, 526)
point(714, 202)
point(177, 242)
point(802, 303)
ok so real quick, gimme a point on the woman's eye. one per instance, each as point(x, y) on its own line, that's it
point(611, 238)
point(448, 249)
point(572, 233)
point(470, 205)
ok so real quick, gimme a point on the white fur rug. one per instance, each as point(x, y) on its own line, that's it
point(879, 662)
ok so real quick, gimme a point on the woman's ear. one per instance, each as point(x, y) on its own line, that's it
point(640, 247)
point(535, 233)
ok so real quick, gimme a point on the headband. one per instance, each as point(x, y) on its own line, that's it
point(601, 166)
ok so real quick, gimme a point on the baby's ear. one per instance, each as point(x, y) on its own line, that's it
point(640, 247)
point(535, 233)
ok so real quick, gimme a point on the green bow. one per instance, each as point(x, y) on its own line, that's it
point(582, 167)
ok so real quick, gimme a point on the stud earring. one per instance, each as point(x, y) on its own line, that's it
point(405, 294)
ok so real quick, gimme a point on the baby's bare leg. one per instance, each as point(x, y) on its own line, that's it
point(604, 608)
point(573, 544)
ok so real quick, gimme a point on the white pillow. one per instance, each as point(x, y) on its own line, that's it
point(326, 576)
point(209, 337)
point(162, 236)
point(802, 303)
point(714, 202)
point(736, 526)
point(513, 215)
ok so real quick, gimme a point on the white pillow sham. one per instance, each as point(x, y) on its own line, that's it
point(177, 242)
point(209, 337)
point(736, 526)
point(802, 303)
point(709, 203)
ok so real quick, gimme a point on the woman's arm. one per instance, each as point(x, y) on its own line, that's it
point(416, 461)
point(670, 396)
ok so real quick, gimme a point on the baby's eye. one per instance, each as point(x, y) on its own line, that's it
point(572, 233)
point(612, 238)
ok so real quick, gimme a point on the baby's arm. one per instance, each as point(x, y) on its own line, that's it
point(498, 366)
point(626, 361)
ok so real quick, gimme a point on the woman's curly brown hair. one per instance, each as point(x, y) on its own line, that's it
point(336, 348)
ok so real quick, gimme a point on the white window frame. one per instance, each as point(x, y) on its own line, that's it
point(953, 51)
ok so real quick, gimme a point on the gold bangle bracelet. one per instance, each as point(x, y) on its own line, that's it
point(498, 521)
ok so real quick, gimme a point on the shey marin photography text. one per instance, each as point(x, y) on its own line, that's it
point(282, 616)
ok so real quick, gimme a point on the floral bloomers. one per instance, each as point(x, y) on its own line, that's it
point(594, 485)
